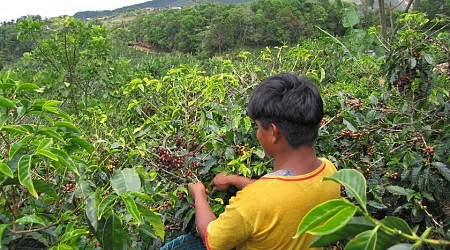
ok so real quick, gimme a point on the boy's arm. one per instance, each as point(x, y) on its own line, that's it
point(223, 181)
point(203, 212)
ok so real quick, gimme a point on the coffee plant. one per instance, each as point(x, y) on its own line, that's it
point(53, 192)
point(336, 220)
point(114, 174)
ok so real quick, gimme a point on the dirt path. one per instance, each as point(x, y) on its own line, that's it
point(147, 48)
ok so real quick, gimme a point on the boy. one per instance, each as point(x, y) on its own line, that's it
point(265, 214)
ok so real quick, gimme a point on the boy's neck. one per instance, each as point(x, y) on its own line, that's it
point(300, 161)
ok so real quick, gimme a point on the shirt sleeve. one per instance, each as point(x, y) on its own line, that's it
point(229, 230)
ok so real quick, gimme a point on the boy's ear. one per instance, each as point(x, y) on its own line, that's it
point(275, 132)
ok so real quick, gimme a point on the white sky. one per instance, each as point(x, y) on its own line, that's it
point(13, 9)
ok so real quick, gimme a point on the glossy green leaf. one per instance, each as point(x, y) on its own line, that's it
point(153, 219)
point(402, 246)
point(321, 213)
point(92, 204)
point(31, 219)
point(6, 170)
point(42, 186)
point(65, 160)
point(47, 154)
point(104, 204)
point(45, 143)
point(386, 240)
point(363, 241)
point(355, 226)
point(141, 196)
point(3, 227)
point(24, 171)
point(397, 190)
point(83, 143)
point(50, 109)
point(397, 224)
point(7, 103)
point(350, 18)
point(14, 129)
point(354, 182)
point(73, 235)
point(27, 86)
point(336, 222)
point(113, 233)
point(132, 208)
point(147, 232)
point(68, 125)
point(351, 125)
point(443, 169)
point(51, 133)
point(14, 149)
point(126, 180)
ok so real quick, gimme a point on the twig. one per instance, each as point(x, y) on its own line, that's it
point(34, 230)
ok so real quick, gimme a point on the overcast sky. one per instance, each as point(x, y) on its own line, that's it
point(13, 9)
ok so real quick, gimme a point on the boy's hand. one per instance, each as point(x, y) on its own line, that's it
point(197, 189)
point(221, 182)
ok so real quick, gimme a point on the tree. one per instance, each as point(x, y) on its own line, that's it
point(78, 51)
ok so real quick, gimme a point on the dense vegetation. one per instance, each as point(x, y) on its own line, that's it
point(155, 4)
point(99, 140)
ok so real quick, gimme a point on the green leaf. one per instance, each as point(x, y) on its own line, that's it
point(24, 169)
point(113, 233)
point(104, 203)
point(351, 125)
point(31, 219)
point(41, 185)
point(141, 196)
point(402, 246)
point(443, 169)
point(92, 204)
point(355, 226)
point(68, 125)
point(336, 222)
point(6, 170)
point(7, 103)
point(3, 227)
point(153, 219)
point(373, 99)
point(83, 143)
point(350, 18)
point(132, 208)
point(15, 148)
point(146, 232)
point(397, 224)
point(363, 241)
point(45, 143)
point(14, 129)
point(75, 234)
point(354, 182)
point(47, 154)
point(65, 160)
point(321, 213)
point(27, 86)
point(126, 180)
point(399, 190)
point(50, 109)
point(51, 133)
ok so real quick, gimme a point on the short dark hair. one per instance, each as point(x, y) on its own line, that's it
point(292, 103)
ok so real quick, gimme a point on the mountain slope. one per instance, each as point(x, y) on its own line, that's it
point(150, 4)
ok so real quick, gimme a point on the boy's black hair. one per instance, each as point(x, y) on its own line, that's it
point(292, 103)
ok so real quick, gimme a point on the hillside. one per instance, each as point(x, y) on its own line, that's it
point(160, 4)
